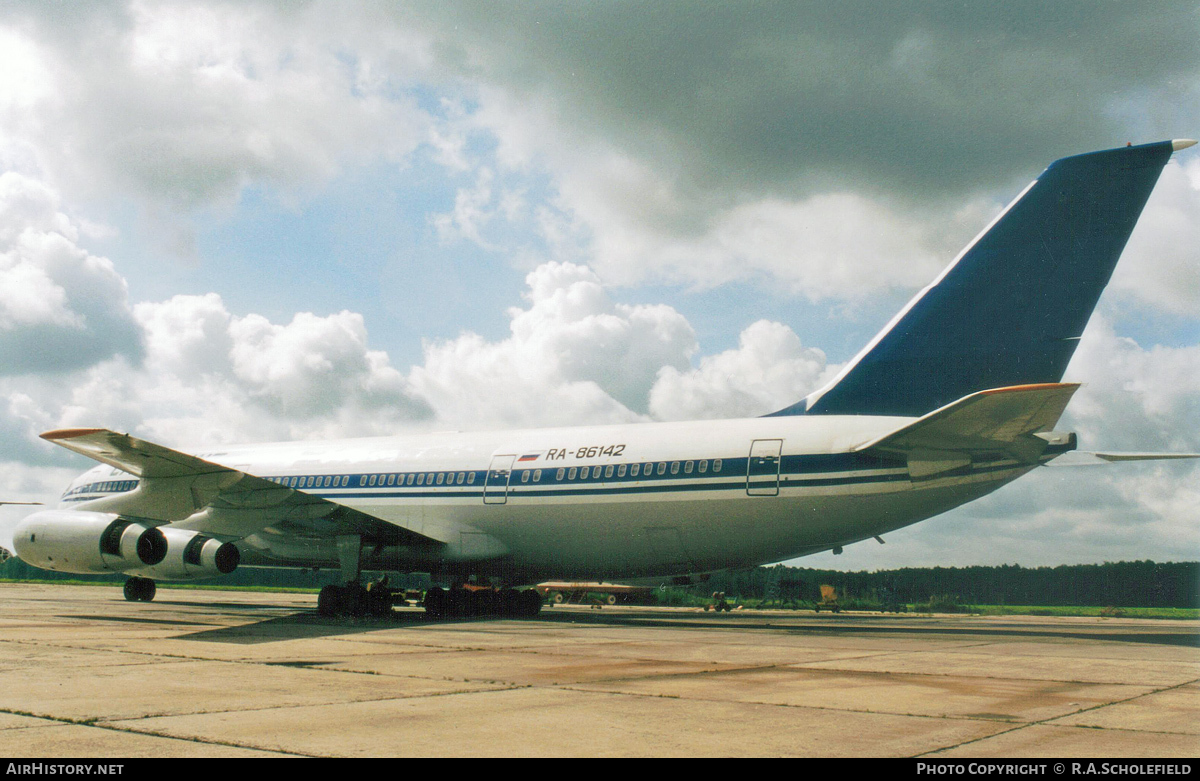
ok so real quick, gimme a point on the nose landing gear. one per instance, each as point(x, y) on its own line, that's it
point(140, 589)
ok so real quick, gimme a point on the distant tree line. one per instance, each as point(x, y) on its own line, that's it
point(1116, 584)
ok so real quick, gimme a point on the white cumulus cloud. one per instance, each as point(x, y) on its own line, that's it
point(768, 370)
point(573, 356)
point(61, 307)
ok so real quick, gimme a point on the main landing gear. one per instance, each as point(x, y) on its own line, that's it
point(354, 599)
point(375, 599)
point(464, 602)
point(139, 589)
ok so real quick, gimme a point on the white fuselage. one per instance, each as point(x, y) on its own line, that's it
point(607, 502)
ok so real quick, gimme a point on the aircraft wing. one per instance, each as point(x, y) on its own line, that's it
point(199, 495)
point(997, 421)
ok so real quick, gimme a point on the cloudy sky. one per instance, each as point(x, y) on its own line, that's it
point(226, 222)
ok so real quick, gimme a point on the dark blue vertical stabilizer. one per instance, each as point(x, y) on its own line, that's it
point(1010, 310)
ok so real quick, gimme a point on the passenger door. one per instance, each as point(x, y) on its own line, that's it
point(762, 471)
point(495, 487)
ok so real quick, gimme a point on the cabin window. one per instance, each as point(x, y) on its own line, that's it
point(409, 480)
point(524, 475)
point(674, 467)
point(717, 465)
point(608, 471)
point(429, 478)
point(559, 474)
point(687, 468)
point(461, 477)
point(571, 474)
point(662, 467)
point(470, 478)
point(373, 477)
point(703, 466)
point(421, 479)
point(621, 471)
point(633, 470)
point(441, 478)
point(537, 475)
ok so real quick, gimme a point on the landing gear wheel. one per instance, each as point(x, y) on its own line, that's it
point(435, 603)
point(458, 603)
point(355, 600)
point(379, 599)
point(510, 602)
point(530, 603)
point(140, 589)
point(329, 601)
point(351, 599)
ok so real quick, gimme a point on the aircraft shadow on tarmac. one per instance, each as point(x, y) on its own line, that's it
point(307, 624)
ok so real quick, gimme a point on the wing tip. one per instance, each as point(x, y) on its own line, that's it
point(68, 433)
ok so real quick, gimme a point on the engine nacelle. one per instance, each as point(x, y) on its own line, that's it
point(191, 555)
point(87, 542)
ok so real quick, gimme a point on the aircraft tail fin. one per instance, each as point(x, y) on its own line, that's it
point(1011, 307)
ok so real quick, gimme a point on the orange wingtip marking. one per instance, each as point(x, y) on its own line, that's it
point(68, 433)
point(1034, 386)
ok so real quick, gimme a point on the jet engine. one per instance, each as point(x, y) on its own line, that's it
point(87, 542)
point(191, 555)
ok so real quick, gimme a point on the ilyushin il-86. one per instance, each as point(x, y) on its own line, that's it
point(958, 395)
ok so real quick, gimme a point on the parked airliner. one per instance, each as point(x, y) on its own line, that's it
point(958, 395)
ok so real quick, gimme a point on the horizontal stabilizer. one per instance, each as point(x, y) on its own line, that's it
point(996, 421)
point(1087, 458)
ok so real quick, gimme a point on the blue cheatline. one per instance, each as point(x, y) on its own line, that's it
point(1011, 309)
